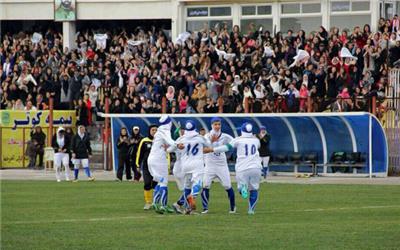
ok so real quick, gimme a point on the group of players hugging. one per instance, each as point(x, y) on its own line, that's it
point(199, 161)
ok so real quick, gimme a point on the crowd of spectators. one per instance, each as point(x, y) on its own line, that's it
point(198, 72)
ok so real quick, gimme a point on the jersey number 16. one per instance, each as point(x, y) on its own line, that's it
point(193, 150)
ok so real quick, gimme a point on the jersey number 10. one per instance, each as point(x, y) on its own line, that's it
point(253, 149)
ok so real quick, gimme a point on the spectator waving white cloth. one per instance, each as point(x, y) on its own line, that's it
point(135, 43)
point(302, 56)
point(182, 37)
point(345, 53)
point(268, 52)
point(101, 40)
point(36, 38)
point(96, 82)
point(226, 56)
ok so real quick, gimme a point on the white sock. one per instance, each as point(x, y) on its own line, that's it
point(58, 172)
point(66, 172)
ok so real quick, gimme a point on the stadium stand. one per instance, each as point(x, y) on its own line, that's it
point(214, 70)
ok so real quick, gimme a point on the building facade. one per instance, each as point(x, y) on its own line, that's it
point(193, 15)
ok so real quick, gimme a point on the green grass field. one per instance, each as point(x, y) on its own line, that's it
point(109, 215)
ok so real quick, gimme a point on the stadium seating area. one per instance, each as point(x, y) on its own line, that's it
point(199, 71)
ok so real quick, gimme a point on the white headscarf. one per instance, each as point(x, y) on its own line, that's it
point(60, 139)
point(165, 128)
point(81, 135)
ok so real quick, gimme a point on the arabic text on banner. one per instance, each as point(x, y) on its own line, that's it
point(14, 123)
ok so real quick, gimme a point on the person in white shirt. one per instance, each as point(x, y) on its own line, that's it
point(275, 85)
point(192, 160)
point(29, 106)
point(158, 164)
point(61, 145)
point(179, 176)
point(248, 164)
point(101, 40)
point(217, 166)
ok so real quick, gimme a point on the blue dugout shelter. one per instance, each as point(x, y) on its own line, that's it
point(302, 133)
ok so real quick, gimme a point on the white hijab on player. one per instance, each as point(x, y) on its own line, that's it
point(158, 163)
point(216, 165)
point(192, 162)
point(61, 157)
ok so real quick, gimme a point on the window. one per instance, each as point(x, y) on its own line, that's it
point(308, 24)
point(247, 25)
point(264, 10)
point(297, 8)
point(256, 10)
point(290, 8)
point(349, 22)
point(311, 8)
point(343, 6)
point(201, 24)
point(248, 10)
point(221, 24)
point(195, 12)
point(340, 6)
point(196, 25)
point(220, 11)
point(360, 6)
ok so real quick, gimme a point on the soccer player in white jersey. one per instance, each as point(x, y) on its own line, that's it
point(179, 174)
point(217, 166)
point(192, 160)
point(158, 164)
point(248, 164)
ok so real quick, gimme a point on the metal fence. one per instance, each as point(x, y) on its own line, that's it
point(391, 121)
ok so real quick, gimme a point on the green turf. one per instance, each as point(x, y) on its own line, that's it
point(109, 215)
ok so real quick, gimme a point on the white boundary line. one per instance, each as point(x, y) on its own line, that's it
point(166, 216)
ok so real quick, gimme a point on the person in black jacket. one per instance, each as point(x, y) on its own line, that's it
point(69, 133)
point(123, 145)
point(135, 139)
point(141, 161)
point(82, 113)
point(61, 145)
point(81, 151)
point(264, 150)
point(40, 137)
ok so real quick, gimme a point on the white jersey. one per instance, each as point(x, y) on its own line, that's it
point(158, 155)
point(192, 157)
point(246, 151)
point(213, 160)
point(178, 163)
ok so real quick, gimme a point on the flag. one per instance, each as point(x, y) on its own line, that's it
point(345, 53)
point(302, 56)
point(182, 37)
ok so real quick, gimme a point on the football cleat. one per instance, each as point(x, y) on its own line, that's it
point(177, 208)
point(159, 209)
point(205, 212)
point(169, 209)
point(250, 212)
point(147, 206)
point(91, 178)
point(75, 180)
point(233, 211)
point(243, 191)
